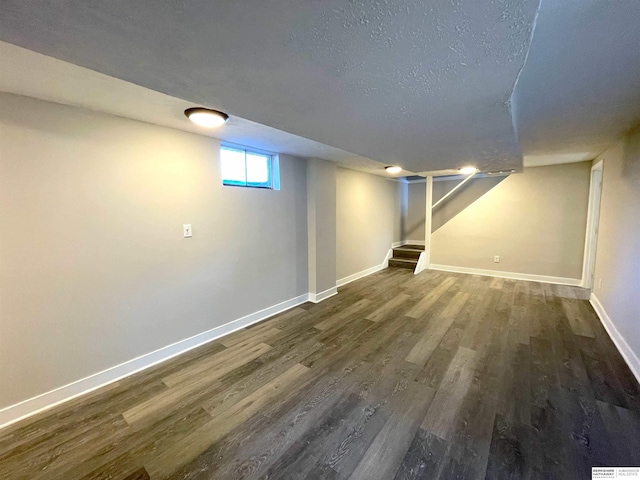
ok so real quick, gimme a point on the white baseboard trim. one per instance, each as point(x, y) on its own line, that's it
point(623, 347)
point(385, 262)
point(359, 275)
point(45, 401)
point(368, 271)
point(398, 244)
point(318, 297)
point(511, 275)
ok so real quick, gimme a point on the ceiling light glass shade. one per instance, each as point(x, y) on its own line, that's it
point(468, 170)
point(206, 117)
point(393, 169)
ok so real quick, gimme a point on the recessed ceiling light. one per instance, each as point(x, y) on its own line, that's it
point(468, 170)
point(393, 169)
point(206, 117)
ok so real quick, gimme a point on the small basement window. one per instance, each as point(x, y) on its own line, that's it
point(248, 168)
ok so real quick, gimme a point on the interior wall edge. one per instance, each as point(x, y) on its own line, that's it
point(618, 339)
point(529, 277)
point(45, 401)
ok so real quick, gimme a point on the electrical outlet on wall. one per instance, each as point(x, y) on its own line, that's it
point(496, 259)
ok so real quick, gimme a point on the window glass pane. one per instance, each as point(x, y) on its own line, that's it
point(233, 166)
point(258, 169)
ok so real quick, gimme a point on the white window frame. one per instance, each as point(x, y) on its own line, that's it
point(273, 165)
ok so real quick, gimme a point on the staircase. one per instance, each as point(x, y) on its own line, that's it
point(406, 256)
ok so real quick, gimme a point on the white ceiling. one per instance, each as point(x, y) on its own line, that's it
point(428, 85)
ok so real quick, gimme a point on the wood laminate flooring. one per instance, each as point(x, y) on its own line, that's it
point(432, 376)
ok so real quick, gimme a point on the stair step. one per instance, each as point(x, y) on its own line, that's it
point(403, 263)
point(413, 247)
point(402, 252)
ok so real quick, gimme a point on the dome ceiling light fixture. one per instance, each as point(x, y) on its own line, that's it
point(206, 117)
point(468, 170)
point(393, 169)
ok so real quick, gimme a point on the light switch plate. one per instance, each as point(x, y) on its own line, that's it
point(186, 230)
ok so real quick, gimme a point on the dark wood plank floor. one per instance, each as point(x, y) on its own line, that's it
point(398, 377)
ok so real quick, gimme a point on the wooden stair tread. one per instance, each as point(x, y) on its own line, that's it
point(403, 262)
point(411, 252)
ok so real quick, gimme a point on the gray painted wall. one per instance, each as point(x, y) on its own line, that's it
point(535, 222)
point(414, 217)
point(460, 199)
point(413, 223)
point(93, 267)
point(618, 256)
point(368, 210)
point(321, 215)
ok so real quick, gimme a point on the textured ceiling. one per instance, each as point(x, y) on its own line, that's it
point(68, 84)
point(580, 87)
point(422, 84)
point(430, 85)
